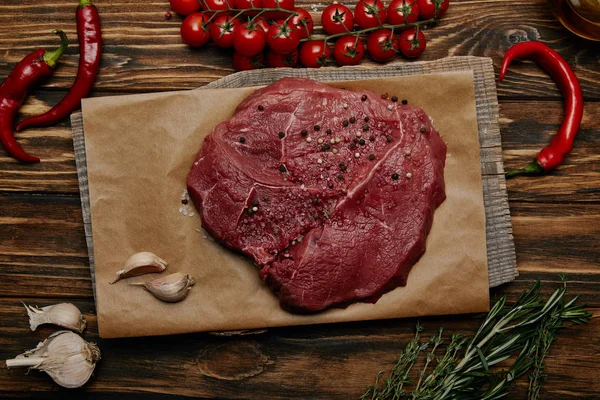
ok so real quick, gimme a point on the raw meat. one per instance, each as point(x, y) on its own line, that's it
point(332, 215)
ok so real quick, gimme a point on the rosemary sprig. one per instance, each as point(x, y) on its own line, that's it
point(469, 367)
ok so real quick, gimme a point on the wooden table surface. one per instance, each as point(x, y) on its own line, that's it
point(43, 255)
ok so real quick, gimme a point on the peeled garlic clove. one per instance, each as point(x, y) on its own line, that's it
point(65, 356)
point(141, 263)
point(171, 288)
point(65, 315)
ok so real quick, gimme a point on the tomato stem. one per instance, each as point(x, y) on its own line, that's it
point(242, 11)
point(362, 31)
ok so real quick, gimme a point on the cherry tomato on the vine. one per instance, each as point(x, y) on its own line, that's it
point(276, 60)
point(369, 13)
point(337, 18)
point(283, 38)
point(285, 4)
point(221, 30)
point(195, 30)
point(402, 12)
point(348, 50)
point(412, 45)
point(262, 23)
point(382, 45)
point(303, 22)
point(248, 39)
point(215, 5)
point(184, 7)
point(433, 8)
point(314, 54)
point(243, 63)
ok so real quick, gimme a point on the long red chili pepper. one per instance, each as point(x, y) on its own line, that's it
point(552, 155)
point(27, 73)
point(90, 49)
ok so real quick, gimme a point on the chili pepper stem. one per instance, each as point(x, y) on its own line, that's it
point(52, 56)
point(84, 3)
point(534, 168)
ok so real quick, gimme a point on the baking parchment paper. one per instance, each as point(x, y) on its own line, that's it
point(139, 151)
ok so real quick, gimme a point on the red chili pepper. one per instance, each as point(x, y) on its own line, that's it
point(90, 48)
point(26, 74)
point(553, 155)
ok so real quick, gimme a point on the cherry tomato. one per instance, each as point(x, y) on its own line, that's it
point(303, 22)
point(337, 18)
point(285, 4)
point(245, 4)
point(194, 29)
point(215, 5)
point(314, 54)
point(248, 39)
point(382, 45)
point(243, 63)
point(184, 7)
point(402, 12)
point(348, 50)
point(221, 30)
point(262, 23)
point(433, 8)
point(276, 60)
point(369, 13)
point(283, 38)
point(412, 45)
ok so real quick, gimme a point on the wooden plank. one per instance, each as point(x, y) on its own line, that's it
point(43, 251)
point(143, 52)
point(42, 247)
point(525, 128)
point(318, 362)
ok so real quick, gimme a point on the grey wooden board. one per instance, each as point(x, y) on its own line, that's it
point(501, 255)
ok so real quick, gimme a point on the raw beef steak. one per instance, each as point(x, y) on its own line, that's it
point(330, 192)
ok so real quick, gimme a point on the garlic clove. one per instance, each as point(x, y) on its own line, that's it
point(65, 356)
point(65, 315)
point(171, 288)
point(141, 263)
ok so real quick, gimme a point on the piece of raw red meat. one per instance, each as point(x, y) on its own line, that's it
point(330, 192)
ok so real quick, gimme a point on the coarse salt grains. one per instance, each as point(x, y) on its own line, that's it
point(356, 155)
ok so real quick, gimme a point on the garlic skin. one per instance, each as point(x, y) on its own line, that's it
point(141, 263)
point(171, 288)
point(65, 315)
point(65, 356)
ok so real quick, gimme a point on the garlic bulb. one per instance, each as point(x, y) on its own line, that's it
point(65, 315)
point(171, 288)
point(65, 356)
point(141, 263)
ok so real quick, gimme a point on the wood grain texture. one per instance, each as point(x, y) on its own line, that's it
point(143, 52)
point(43, 257)
point(319, 362)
